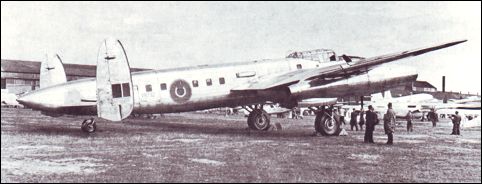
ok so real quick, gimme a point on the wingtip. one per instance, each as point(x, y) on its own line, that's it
point(460, 41)
point(453, 43)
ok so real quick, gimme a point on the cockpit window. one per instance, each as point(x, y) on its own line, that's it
point(320, 55)
point(333, 57)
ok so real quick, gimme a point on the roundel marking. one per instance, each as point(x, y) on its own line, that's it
point(180, 91)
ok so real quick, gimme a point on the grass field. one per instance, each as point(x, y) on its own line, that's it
point(191, 147)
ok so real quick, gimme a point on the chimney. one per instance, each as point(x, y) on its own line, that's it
point(443, 90)
point(443, 84)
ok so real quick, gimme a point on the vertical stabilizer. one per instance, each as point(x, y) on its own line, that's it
point(115, 99)
point(52, 71)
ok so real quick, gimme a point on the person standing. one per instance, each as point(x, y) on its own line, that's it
point(433, 117)
point(353, 116)
point(409, 118)
point(362, 119)
point(456, 119)
point(342, 116)
point(389, 123)
point(371, 121)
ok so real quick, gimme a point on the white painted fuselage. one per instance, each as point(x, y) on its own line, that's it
point(159, 91)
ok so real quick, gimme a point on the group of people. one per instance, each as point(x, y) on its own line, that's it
point(353, 117)
point(372, 120)
point(389, 120)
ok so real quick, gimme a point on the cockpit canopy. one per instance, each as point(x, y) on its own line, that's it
point(321, 55)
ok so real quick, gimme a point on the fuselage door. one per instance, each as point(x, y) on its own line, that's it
point(115, 99)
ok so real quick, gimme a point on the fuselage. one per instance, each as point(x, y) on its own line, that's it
point(156, 91)
point(209, 86)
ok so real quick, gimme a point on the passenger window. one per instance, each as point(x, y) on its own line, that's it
point(195, 83)
point(299, 66)
point(209, 82)
point(148, 88)
point(163, 86)
point(221, 80)
point(126, 90)
point(116, 91)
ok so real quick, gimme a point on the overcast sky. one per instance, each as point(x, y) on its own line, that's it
point(174, 34)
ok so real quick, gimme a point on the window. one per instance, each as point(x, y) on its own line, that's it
point(221, 80)
point(209, 82)
point(116, 91)
point(195, 83)
point(245, 74)
point(126, 90)
point(4, 83)
point(333, 57)
point(299, 66)
point(121, 90)
point(163, 86)
point(148, 88)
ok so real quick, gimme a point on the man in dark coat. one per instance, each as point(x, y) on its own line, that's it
point(409, 117)
point(433, 117)
point(389, 123)
point(362, 119)
point(456, 119)
point(371, 121)
point(353, 116)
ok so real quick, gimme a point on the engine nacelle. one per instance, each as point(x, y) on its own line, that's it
point(377, 80)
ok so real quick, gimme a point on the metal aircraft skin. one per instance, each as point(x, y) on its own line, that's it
point(115, 93)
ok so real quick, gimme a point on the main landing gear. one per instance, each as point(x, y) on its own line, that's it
point(88, 125)
point(328, 122)
point(258, 119)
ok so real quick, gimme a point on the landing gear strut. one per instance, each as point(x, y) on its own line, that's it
point(258, 119)
point(327, 122)
point(88, 125)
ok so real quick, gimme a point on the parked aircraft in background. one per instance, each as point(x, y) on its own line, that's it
point(468, 108)
point(401, 105)
point(115, 93)
point(471, 123)
point(9, 99)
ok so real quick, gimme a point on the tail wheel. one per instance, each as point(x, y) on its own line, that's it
point(327, 125)
point(258, 120)
point(88, 126)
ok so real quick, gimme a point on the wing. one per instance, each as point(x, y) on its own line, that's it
point(360, 66)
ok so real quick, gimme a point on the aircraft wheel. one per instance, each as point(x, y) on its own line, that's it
point(258, 120)
point(327, 125)
point(88, 125)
